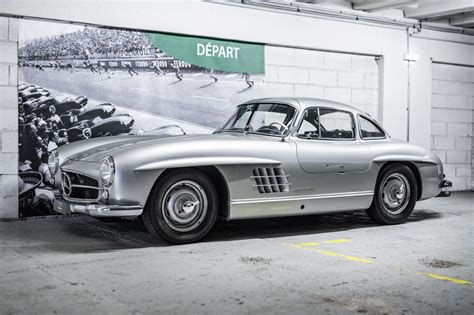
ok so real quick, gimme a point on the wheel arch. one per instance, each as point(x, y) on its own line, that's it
point(214, 175)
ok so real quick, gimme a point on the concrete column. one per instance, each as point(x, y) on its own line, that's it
point(8, 118)
point(394, 86)
point(420, 102)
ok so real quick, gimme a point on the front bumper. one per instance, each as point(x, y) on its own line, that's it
point(445, 186)
point(96, 210)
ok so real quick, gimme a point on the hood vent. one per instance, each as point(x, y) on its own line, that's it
point(270, 180)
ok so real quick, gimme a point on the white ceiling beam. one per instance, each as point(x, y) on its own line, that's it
point(465, 20)
point(439, 9)
point(376, 5)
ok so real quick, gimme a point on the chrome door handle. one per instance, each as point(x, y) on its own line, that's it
point(339, 166)
point(335, 165)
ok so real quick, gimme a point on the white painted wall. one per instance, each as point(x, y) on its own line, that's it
point(437, 47)
point(8, 118)
point(451, 116)
point(345, 78)
point(284, 29)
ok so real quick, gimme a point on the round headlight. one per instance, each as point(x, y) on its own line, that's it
point(53, 162)
point(107, 171)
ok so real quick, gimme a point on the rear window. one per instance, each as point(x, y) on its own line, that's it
point(368, 129)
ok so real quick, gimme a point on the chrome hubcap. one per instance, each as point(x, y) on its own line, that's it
point(188, 206)
point(184, 206)
point(395, 193)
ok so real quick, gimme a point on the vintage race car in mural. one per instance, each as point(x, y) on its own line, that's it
point(41, 104)
point(62, 104)
point(274, 157)
point(74, 117)
point(98, 127)
point(32, 93)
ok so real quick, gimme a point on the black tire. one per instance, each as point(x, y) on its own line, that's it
point(380, 210)
point(159, 220)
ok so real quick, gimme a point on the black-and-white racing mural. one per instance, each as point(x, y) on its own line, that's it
point(80, 82)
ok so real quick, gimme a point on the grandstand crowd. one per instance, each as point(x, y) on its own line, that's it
point(86, 43)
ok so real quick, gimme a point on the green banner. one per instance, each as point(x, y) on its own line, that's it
point(221, 55)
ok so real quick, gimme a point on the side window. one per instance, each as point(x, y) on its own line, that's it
point(336, 124)
point(309, 128)
point(369, 130)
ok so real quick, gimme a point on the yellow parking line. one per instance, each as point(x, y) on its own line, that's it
point(341, 240)
point(439, 277)
point(333, 254)
point(309, 244)
point(362, 260)
point(338, 241)
point(309, 247)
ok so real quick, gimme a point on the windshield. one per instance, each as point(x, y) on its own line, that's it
point(271, 119)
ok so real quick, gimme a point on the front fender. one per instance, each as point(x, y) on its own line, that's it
point(204, 161)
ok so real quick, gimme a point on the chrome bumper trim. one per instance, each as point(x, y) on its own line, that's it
point(96, 210)
point(445, 186)
point(107, 210)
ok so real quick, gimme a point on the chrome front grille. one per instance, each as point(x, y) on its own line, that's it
point(270, 180)
point(79, 187)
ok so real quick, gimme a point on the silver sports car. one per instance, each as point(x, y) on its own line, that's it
point(273, 157)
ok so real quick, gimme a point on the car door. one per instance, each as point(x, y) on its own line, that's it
point(329, 151)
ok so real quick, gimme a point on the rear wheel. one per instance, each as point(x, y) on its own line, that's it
point(182, 207)
point(395, 195)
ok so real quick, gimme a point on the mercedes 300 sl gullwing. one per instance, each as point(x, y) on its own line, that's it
point(274, 157)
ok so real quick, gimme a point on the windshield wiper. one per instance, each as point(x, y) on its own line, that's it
point(265, 134)
point(246, 129)
point(231, 129)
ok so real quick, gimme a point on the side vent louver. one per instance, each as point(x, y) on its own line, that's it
point(270, 180)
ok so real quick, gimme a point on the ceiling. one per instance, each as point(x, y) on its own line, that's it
point(456, 13)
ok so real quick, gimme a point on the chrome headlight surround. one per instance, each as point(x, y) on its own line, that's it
point(53, 161)
point(107, 171)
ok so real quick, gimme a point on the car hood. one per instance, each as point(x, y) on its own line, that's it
point(95, 150)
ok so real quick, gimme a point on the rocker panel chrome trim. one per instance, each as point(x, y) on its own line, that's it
point(297, 198)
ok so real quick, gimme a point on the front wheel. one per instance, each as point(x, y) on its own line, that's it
point(395, 195)
point(182, 207)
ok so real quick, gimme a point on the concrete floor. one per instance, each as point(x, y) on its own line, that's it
point(340, 263)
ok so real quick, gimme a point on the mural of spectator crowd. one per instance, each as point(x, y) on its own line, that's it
point(89, 43)
point(66, 61)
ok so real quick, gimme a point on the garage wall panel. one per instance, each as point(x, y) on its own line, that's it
point(452, 121)
point(346, 78)
point(8, 118)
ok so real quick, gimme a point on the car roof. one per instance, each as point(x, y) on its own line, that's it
point(304, 102)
